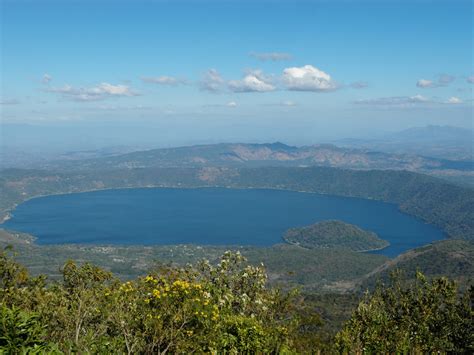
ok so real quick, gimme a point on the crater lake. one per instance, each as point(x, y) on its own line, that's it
point(207, 216)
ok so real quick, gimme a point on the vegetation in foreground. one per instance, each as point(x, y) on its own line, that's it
point(286, 265)
point(225, 308)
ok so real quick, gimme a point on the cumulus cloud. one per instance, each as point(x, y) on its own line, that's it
point(271, 56)
point(122, 108)
point(442, 80)
point(409, 101)
point(46, 78)
point(424, 83)
point(254, 81)
point(454, 100)
point(359, 85)
point(307, 78)
point(230, 104)
point(9, 102)
point(284, 103)
point(164, 80)
point(212, 81)
point(470, 79)
point(395, 101)
point(95, 93)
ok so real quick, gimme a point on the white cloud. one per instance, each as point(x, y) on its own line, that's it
point(164, 80)
point(442, 80)
point(254, 81)
point(395, 101)
point(229, 104)
point(271, 56)
point(423, 83)
point(454, 100)
point(419, 98)
point(9, 102)
point(95, 93)
point(409, 101)
point(307, 78)
point(470, 79)
point(285, 103)
point(46, 78)
point(106, 88)
point(122, 108)
point(212, 81)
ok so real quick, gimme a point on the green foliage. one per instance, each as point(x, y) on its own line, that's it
point(21, 332)
point(225, 307)
point(208, 308)
point(11, 274)
point(425, 317)
point(452, 258)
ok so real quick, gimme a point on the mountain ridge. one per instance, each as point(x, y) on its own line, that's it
point(264, 154)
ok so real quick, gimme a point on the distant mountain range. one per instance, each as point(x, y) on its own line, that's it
point(432, 145)
point(271, 154)
point(444, 142)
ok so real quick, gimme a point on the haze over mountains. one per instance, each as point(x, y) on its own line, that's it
point(421, 149)
point(267, 154)
point(444, 142)
point(25, 144)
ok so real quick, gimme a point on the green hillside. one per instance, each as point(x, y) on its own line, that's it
point(451, 258)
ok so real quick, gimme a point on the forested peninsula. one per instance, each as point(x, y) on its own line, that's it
point(334, 234)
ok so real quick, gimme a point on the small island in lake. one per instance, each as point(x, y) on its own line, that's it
point(334, 234)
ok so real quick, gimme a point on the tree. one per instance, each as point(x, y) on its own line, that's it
point(423, 317)
point(21, 332)
point(208, 308)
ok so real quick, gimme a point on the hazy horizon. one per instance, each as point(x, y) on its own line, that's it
point(87, 75)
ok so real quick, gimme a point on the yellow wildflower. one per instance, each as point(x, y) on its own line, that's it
point(149, 278)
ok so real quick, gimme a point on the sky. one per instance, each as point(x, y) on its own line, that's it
point(182, 72)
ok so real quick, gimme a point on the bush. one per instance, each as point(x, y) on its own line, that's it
point(223, 308)
point(424, 317)
point(21, 332)
point(207, 308)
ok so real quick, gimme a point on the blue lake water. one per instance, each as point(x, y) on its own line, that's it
point(212, 216)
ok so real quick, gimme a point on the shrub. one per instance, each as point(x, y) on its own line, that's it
point(425, 317)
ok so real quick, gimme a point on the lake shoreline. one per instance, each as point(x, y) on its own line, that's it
point(217, 191)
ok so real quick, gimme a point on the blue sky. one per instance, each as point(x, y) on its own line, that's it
point(297, 71)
